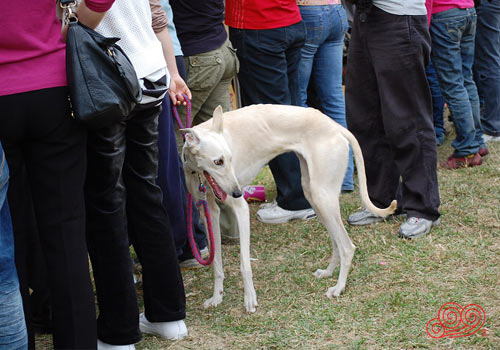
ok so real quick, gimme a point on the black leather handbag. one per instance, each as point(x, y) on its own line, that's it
point(102, 82)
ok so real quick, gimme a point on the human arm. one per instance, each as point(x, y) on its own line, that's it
point(177, 84)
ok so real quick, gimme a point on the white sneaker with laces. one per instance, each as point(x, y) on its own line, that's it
point(277, 215)
point(105, 346)
point(173, 330)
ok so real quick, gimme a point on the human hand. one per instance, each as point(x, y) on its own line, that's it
point(177, 88)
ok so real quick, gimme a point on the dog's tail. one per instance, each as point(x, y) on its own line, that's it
point(363, 189)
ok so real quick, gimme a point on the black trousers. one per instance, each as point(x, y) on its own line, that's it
point(45, 150)
point(123, 201)
point(269, 63)
point(389, 110)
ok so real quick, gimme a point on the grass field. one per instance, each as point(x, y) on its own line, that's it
point(394, 288)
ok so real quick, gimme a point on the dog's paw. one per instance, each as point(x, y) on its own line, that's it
point(213, 301)
point(334, 291)
point(251, 302)
point(322, 274)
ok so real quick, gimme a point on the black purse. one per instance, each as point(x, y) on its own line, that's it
point(102, 82)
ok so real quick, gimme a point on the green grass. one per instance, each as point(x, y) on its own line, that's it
point(383, 306)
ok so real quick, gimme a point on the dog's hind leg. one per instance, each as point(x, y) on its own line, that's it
point(216, 299)
point(242, 213)
point(306, 186)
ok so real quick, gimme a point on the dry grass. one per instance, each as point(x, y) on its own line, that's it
point(384, 306)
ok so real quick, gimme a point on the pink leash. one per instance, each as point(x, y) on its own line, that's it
point(189, 210)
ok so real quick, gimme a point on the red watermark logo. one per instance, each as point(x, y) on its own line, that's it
point(455, 321)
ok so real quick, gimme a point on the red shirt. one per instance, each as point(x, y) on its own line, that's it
point(261, 14)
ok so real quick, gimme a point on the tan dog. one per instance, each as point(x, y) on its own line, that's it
point(228, 151)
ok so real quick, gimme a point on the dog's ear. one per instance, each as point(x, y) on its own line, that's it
point(192, 139)
point(217, 120)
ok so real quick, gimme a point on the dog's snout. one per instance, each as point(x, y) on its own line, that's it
point(237, 193)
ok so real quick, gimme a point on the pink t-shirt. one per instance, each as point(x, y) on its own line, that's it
point(32, 53)
point(436, 6)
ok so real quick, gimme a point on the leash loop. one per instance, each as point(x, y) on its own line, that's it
point(189, 210)
point(188, 114)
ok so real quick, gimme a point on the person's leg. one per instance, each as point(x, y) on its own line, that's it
point(172, 184)
point(268, 68)
point(447, 60)
point(13, 333)
point(311, 15)
point(23, 219)
point(327, 70)
point(55, 163)
point(219, 95)
point(108, 243)
point(148, 224)
point(406, 108)
point(169, 177)
point(467, 53)
point(364, 118)
point(437, 103)
point(198, 228)
point(487, 64)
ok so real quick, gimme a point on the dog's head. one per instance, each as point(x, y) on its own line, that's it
point(206, 154)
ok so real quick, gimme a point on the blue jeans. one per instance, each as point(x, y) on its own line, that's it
point(452, 53)
point(437, 103)
point(13, 335)
point(487, 64)
point(321, 59)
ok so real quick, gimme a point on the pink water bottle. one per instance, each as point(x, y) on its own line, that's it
point(254, 193)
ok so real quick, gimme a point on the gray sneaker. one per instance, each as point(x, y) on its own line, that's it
point(416, 227)
point(365, 217)
point(191, 264)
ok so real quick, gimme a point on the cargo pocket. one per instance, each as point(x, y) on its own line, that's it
point(203, 71)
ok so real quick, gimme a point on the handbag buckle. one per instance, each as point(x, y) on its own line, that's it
point(69, 13)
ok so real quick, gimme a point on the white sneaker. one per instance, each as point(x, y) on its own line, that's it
point(489, 138)
point(173, 330)
point(277, 215)
point(105, 346)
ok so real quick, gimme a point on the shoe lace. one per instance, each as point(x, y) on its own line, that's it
point(413, 220)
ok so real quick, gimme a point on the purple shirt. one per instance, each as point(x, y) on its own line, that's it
point(32, 53)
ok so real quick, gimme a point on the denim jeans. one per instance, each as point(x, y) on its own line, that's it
point(487, 64)
point(452, 53)
point(321, 59)
point(437, 103)
point(269, 73)
point(13, 335)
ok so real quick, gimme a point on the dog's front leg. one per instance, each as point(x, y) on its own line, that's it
point(242, 213)
point(216, 299)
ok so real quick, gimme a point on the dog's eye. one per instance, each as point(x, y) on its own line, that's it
point(219, 162)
